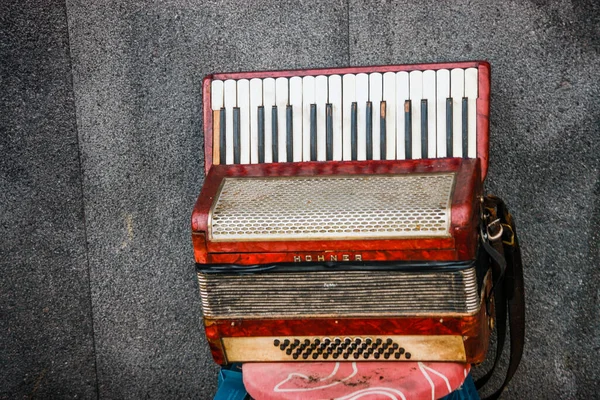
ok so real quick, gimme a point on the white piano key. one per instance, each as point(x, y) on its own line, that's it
point(362, 96)
point(243, 101)
point(375, 97)
point(443, 92)
point(321, 99)
point(281, 101)
point(296, 103)
point(457, 92)
point(471, 93)
point(216, 95)
point(229, 101)
point(268, 102)
point(402, 94)
point(335, 98)
point(256, 97)
point(389, 96)
point(348, 97)
point(429, 95)
point(308, 98)
point(416, 95)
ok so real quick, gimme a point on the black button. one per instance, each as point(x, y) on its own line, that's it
point(389, 341)
point(397, 356)
point(317, 341)
point(276, 342)
point(407, 355)
point(306, 342)
point(401, 350)
point(325, 356)
point(378, 341)
point(369, 341)
point(305, 356)
point(315, 356)
point(286, 342)
point(376, 355)
point(295, 356)
point(288, 351)
point(296, 342)
point(346, 355)
point(356, 355)
point(395, 345)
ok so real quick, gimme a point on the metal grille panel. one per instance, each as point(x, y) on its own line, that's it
point(340, 293)
point(283, 208)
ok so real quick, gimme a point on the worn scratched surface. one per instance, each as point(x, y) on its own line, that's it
point(101, 162)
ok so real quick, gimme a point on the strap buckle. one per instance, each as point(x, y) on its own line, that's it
point(494, 236)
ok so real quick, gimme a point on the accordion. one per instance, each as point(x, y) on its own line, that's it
point(341, 214)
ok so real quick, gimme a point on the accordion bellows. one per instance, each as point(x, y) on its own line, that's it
point(344, 294)
point(334, 223)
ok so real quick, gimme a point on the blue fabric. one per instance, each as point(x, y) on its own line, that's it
point(231, 384)
point(466, 391)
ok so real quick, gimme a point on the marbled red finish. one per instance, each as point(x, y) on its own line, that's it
point(461, 245)
point(483, 107)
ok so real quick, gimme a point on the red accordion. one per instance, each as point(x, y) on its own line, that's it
point(341, 212)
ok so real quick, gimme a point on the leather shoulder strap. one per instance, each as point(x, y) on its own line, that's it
point(509, 291)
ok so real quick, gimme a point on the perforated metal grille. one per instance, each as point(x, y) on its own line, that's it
point(337, 207)
point(340, 293)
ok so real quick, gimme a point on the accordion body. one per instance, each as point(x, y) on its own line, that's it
point(341, 214)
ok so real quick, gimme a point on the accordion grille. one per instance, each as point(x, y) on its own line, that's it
point(340, 293)
point(332, 207)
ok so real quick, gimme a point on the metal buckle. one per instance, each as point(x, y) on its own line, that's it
point(498, 235)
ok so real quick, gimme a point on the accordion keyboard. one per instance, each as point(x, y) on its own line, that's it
point(364, 116)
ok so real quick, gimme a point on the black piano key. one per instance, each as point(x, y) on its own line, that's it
point(329, 131)
point(261, 134)
point(369, 130)
point(408, 129)
point(382, 131)
point(424, 126)
point(275, 134)
point(289, 133)
point(236, 135)
point(354, 131)
point(449, 140)
point(465, 116)
point(223, 155)
point(313, 132)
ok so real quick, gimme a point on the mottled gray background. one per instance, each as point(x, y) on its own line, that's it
point(101, 160)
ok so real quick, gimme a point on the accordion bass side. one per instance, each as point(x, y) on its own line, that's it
point(340, 215)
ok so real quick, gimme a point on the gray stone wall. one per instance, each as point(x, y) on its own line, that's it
point(101, 161)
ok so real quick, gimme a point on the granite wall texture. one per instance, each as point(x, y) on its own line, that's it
point(101, 162)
